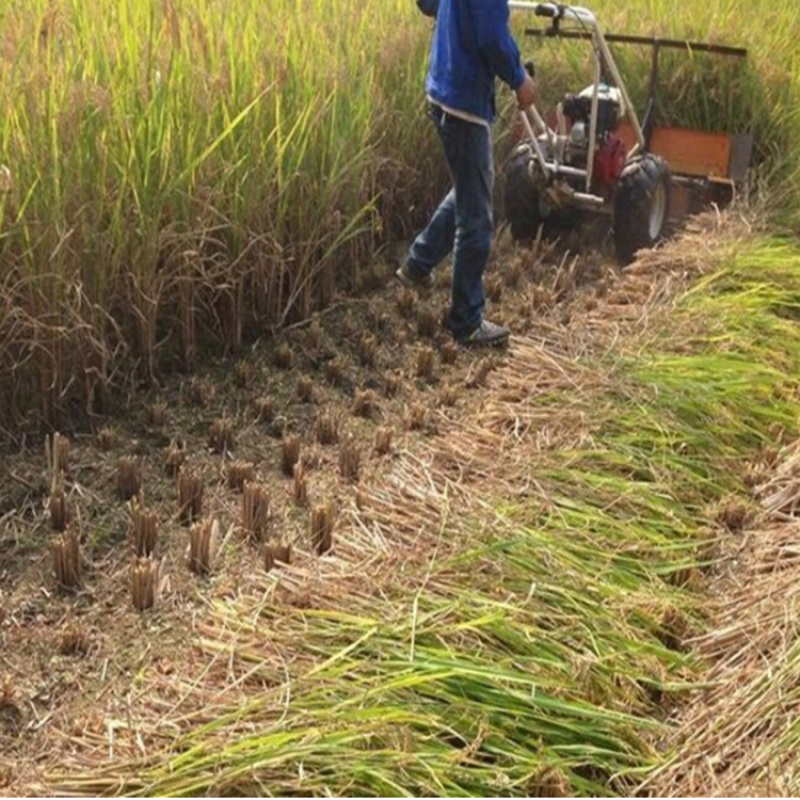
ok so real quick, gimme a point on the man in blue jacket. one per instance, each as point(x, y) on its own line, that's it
point(472, 45)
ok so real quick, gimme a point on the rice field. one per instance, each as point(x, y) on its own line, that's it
point(179, 177)
point(297, 544)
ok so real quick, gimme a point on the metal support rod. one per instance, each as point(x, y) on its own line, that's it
point(650, 41)
point(598, 68)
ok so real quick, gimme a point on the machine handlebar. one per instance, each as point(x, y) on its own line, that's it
point(547, 10)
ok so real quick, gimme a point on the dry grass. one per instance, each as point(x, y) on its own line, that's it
point(734, 737)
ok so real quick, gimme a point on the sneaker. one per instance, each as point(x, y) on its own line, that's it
point(487, 334)
point(407, 278)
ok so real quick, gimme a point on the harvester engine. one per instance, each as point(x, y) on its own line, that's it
point(610, 153)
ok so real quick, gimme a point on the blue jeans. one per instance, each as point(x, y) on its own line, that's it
point(464, 222)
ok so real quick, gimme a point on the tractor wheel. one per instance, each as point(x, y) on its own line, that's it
point(523, 206)
point(641, 206)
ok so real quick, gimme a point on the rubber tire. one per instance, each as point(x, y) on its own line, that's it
point(634, 205)
point(523, 210)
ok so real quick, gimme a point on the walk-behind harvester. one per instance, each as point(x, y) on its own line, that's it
point(594, 154)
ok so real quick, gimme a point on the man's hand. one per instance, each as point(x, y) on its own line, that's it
point(526, 94)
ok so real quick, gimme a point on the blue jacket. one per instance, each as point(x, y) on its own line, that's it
point(472, 45)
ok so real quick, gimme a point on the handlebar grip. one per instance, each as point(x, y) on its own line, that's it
point(546, 10)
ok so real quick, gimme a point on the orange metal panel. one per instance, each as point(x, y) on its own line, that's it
point(693, 152)
point(688, 152)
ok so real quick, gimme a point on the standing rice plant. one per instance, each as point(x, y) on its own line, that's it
point(190, 170)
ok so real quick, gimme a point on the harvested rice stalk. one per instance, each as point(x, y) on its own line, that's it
point(107, 438)
point(256, 510)
point(174, 459)
point(291, 454)
point(66, 553)
point(377, 319)
point(145, 583)
point(313, 336)
point(542, 299)
point(448, 395)
point(365, 403)
point(144, 528)
point(334, 371)
point(367, 350)
point(129, 477)
point(222, 436)
point(392, 385)
point(416, 417)
point(191, 490)
point(244, 373)
point(405, 303)
point(304, 390)
point(311, 458)
point(327, 427)
point(323, 519)
point(201, 391)
point(383, 440)
point(156, 414)
point(494, 288)
point(74, 642)
point(265, 409)
point(283, 357)
point(59, 509)
point(239, 472)
point(57, 453)
point(349, 459)
point(300, 489)
point(734, 514)
point(478, 376)
point(427, 323)
point(203, 542)
point(348, 326)
point(513, 274)
point(448, 352)
point(275, 554)
point(425, 363)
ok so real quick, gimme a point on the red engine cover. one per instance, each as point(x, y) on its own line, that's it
point(609, 161)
